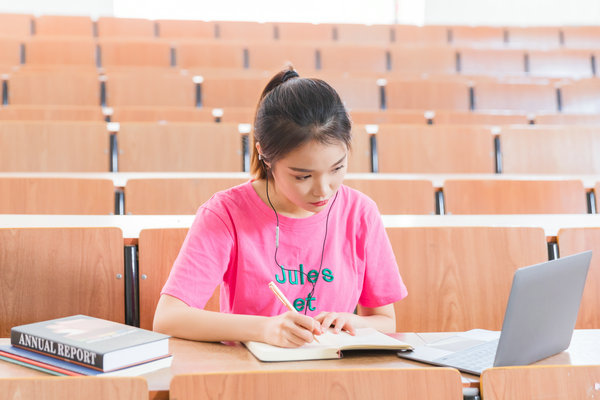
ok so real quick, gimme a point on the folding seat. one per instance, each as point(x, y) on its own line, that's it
point(561, 63)
point(550, 149)
point(435, 149)
point(507, 196)
point(428, 94)
point(63, 25)
point(127, 28)
point(16, 25)
point(519, 97)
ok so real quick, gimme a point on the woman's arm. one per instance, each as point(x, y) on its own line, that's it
point(174, 317)
point(381, 318)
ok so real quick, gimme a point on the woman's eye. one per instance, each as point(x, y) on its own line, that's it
point(338, 168)
point(302, 178)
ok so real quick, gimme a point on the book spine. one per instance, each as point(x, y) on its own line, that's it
point(58, 350)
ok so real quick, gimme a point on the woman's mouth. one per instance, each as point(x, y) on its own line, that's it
point(320, 203)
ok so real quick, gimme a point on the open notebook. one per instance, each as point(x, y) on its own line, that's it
point(331, 346)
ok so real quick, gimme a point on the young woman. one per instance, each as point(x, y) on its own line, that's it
point(322, 243)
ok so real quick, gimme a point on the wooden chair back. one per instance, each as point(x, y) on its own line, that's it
point(435, 149)
point(540, 382)
point(530, 97)
point(335, 384)
point(63, 25)
point(494, 62)
point(185, 29)
point(127, 28)
point(75, 387)
point(56, 272)
point(470, 270)
point(394, 196)
point(173, 196)
point(15, 25)
point(427, 94)
point(575, 240)
point(56, 196)
point(423, 60)
point(564, 63)
point(54, 146)
point(51, 52)
point(158, 249)
point(475, 196)
point(179, 147)
point(581, 97)
point(550, 150)
point(117, 52)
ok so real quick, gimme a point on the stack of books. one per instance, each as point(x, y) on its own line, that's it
point(82, 345)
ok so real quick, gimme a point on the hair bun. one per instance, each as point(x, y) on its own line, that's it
point(289, 75)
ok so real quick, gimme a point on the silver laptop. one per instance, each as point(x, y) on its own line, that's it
point(538, 322)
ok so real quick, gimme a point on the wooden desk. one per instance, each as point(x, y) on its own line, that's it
point(120, 178)
point(131, 225)
point(192, 357)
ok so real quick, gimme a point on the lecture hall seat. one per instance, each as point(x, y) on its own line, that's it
point(244, 31)
point(63, 25)
point(394, 196)
point(361, 93)
point(60, 52)
point(149, 88)
point(563, 63)
point(533, 37)
point(478, 36)
point(341, 58)
point(550, 149)
point(66, 146)
point(29, 195)
point(470, 269)
point(304, 32)
point(134, 53)
point(582, 96)
point(540, 382)
point(366, 116)
point(75, 388)
point(365, 34)
point(10, 53)
point(15, 25)
point(428, 35)
point(393, 383)
point(359, 158)
point(418, 61)
point(567, 119)
point(475, 196)
point(176, 196)
point(211, 55)
point(584, 37)
point(575, 240)
point(523, 97)
point(493, 62)
point(55, 272)
point(427, 94)
point(127, 28)
point(276, 56)
point(158, 113)
point(54, 87)
point(435, 149)
point(179, 147)
point(480, 118)
point(232, 90)
point(185, 29)
point(158, 249)
point(51, 113)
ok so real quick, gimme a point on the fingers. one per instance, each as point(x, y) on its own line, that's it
point(298, 329)
point(337, 321)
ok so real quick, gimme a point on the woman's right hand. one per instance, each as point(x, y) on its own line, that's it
point(290, 329)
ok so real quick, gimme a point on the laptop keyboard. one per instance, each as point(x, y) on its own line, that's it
point(473, 359)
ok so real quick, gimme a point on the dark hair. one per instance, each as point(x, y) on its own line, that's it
point(293, 111)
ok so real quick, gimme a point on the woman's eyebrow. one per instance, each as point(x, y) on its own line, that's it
point(310, 170)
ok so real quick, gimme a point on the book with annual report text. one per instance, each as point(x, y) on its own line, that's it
point(55, 366)
point(92, 342)
point(330, 346)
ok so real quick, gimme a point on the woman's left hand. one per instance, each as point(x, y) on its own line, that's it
point(337, 321)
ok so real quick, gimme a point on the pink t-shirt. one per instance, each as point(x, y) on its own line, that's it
point(232, 243)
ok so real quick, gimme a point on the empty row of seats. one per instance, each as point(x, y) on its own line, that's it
point(307, 57)
point(245, 115)
point(449, 261)
point(183, 195)
point(520, 37)
point(184, 89)
point(209, 147)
